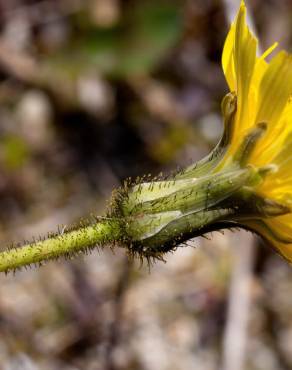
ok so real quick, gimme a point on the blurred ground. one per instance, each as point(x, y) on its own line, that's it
point(93, 92)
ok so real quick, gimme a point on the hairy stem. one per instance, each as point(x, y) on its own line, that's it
point(65, 244)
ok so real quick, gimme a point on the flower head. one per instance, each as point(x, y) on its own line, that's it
point(263, 91)
point(246, 180)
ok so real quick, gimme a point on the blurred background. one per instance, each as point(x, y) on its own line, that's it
point(93, 92)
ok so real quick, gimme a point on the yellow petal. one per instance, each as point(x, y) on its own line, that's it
point(273, 231)
point(227, 59)
point(244, 56)
point(274, 92)
point(260, 68)
point(285, 250)
point(239, 62)
point(275, 88)
point(282, 226)
point(239, 54)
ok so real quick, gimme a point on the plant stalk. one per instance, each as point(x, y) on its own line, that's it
point(66, 244)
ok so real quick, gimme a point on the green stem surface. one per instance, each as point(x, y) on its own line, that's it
point(65, 244)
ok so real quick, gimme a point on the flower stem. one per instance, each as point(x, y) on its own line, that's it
point(66, 244)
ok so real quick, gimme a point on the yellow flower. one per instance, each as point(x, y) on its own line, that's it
point(263, 90)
